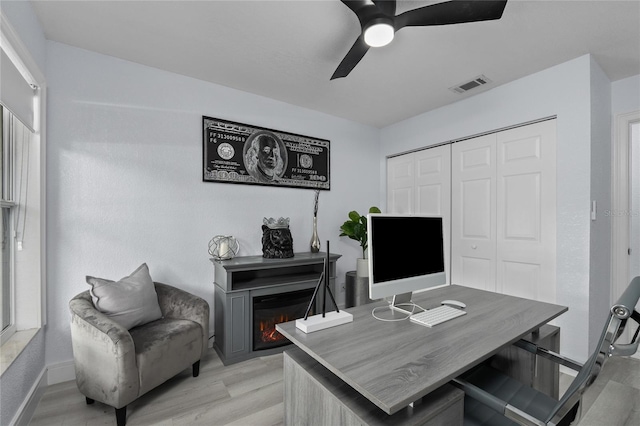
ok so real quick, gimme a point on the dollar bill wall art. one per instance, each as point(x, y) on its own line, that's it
point(242, 153)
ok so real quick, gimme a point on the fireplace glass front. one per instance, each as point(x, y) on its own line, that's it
point(273, 309)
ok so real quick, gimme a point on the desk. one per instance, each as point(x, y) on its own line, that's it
point(393, 364)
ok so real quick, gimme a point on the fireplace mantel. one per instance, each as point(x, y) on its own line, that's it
point(237, 281)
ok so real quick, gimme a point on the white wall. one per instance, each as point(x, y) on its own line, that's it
point(24, 20)
point(19, 381)
point(600, 251)
point(125, 179)
point(563, 91)
point(625, 95)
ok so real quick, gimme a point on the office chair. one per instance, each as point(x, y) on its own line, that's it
point(492, 398)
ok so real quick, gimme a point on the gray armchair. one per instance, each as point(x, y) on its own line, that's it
point(115, 366)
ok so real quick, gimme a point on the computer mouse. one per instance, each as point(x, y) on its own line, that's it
point(454, 303)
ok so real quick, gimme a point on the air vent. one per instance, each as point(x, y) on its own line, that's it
point(464, 87)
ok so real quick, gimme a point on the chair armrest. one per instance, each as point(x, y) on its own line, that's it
point(104, 355)
point(627, 349)
point(179, 304)
point(82, 307)
point(623, 308)
point(546, 353)
point(496, 404)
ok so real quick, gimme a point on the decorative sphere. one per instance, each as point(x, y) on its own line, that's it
point(223, 247)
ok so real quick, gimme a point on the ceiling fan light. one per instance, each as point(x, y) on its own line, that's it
point(379, 34)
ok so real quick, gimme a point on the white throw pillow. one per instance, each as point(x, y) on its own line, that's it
point(130, 302)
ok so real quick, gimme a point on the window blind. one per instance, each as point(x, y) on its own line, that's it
point(15, 92)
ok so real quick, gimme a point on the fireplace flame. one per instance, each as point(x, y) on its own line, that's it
point(268, 330)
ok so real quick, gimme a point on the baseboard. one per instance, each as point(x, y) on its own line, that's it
point(30, 403)
point(61, 372)
point(50, 375)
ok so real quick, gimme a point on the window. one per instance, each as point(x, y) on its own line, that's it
point(22, 273)
point(15, 147)
point(5, 272)
point(5, 237)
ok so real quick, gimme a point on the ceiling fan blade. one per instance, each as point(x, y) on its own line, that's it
point(356, 5)
point(451, 12)
point(352, 58)
point(388, 7)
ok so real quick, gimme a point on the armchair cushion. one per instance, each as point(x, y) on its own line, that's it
point(164, 348)
point(130, 302)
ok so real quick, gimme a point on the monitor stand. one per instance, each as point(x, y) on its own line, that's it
point(402, 303)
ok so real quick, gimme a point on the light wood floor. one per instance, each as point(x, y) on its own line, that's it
point(251, 393)
point(247, 393)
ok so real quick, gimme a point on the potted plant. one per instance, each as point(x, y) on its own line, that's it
point(356, 229)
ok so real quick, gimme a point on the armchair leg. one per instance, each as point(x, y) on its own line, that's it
point(196, 368)
point(89, 400)
point(121, 416)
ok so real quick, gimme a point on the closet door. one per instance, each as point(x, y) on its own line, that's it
point(433, 182)
point(473, 213)
point(400, 184)
point(433, 191)
point(526, 211)
point(420, 183)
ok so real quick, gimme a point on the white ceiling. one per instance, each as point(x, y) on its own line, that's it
point(288, 50)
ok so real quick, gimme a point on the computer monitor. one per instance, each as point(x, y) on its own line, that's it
point(406, 253)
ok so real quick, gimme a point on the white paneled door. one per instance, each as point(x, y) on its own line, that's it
point(433, 182)
point(401, 184)
point(420, 183)
point(526, 211)
point(473, 213)
point(504, 212)
point(497, 195)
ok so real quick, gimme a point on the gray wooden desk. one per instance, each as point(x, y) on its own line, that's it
point(393, 364)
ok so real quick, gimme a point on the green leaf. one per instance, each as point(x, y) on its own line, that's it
point(354, 216)
point(356, 228)
point(359, 228)
point(347, 229)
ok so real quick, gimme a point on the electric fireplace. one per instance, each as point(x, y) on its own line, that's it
point(274, 309)
point(250, 290)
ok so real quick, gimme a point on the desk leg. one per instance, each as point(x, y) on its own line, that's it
point(315, 396)
point(541, 374)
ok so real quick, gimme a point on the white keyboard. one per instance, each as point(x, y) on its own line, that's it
point(435, 316)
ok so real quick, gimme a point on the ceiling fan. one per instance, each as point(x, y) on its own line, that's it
point(379, 22)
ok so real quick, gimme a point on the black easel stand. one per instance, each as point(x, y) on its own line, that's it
point(324, 280)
